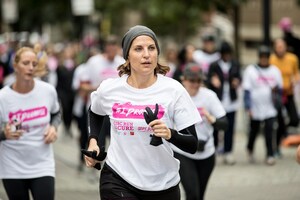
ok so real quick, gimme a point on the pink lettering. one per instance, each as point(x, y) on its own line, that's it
point(28, 115)
point(265, 80)
point(127, 110)
point(124, 128)
point(145, 129)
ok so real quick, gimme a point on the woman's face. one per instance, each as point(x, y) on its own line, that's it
point(143, 56)
point(26, 66)
point(192, 86)
point(280, 47)
point(264, 60)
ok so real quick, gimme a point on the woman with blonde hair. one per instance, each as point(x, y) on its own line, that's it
point(29, 117)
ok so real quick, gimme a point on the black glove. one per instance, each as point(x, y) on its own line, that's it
point(93, 154)
point(149, 117)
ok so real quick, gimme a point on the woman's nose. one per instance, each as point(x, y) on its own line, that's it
point(31, 66)
point(146, 53)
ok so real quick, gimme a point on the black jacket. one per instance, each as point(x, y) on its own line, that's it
point(234, 72)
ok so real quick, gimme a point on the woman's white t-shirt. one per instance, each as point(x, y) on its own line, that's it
point(208, 100)
point(79, 77)
point(29, 156)
point(100, 68)
point(146, 167)
point(259, 82)
point(205, 59)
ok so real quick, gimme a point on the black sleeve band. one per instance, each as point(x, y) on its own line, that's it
point(221, 123)
point(55, 119)
point(94, 124)
point(185, 139)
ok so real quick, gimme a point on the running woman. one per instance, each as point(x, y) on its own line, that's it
point(260, 81)
point(29, 116)
point(196, 169)
point(135, 168)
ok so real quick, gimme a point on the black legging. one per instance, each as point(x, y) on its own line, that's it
point(82, 126)
point(268, 133)
point(41, 188)
point(112, 186)
point(67, 102)
point(293, 119)
point(229, 133)
point(194, 175)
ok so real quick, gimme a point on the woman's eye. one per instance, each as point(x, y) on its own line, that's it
point(34, 64)
point(138, 49)
point(151, 48)
point(26, 63)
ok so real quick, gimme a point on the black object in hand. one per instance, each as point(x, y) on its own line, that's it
point(149, 117)
point(17, 124)
point(93, 154)
point(201, 145)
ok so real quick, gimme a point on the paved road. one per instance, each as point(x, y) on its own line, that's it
point(243, 181)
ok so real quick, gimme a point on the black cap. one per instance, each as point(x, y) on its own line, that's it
point(193, 71)
point(208, 38)
point(264, 50)
point(225, 48)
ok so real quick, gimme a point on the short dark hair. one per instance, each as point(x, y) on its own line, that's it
point(264, 50)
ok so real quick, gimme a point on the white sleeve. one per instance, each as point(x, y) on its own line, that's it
point(76, 78)
point(185, 111)
point(55, 103)
point(247, 79)
point(215, 107)
point(96, 101)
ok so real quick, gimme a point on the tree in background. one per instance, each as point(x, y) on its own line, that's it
point(179, 18)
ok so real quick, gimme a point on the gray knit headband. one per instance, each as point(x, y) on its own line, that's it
point(134, 32)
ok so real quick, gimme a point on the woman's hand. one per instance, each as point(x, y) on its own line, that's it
point(235, 83)
point(160, 129)
point(215, 81)
point(93, 146)
point(50, 135)
point(11, 133)
point(211, 119)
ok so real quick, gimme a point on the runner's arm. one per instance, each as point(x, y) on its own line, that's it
point(95, 122)
point(55, 119)
point(185, 139)
point(220, 123)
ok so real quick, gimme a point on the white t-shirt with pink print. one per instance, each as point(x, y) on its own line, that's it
point(29, 156)
point(146, 167)
point(259, 82)
point(208, 100)
point(205, 59)
point(100, 68)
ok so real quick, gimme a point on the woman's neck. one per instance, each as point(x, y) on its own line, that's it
point(141, 82)
point(23, 87)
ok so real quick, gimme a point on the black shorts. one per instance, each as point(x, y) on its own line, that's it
point(113, 187)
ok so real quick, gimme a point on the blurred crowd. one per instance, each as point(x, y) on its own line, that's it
point(76, 69)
